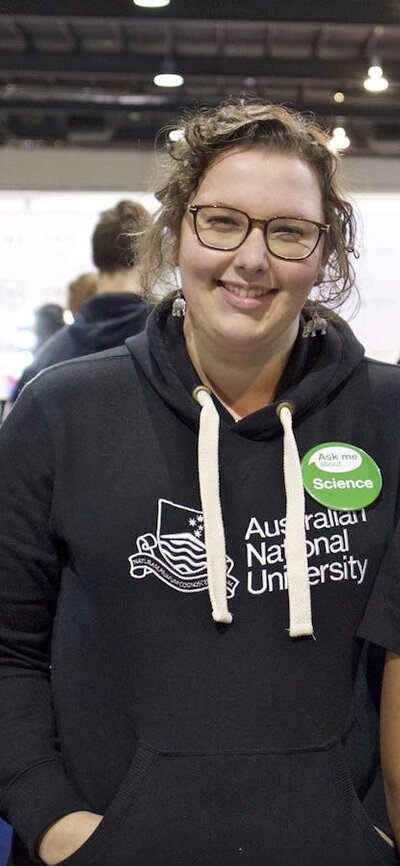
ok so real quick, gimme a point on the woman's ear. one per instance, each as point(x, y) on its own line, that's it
point(327, 252)
point(177, 277)
point(325, 258)
point(175, 252)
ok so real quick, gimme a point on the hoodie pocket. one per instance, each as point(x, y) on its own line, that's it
point(354, 808)
point(101, 848)
point(287, 808)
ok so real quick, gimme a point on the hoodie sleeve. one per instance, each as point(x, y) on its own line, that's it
point(34, 788)
point(381, 620)
point(381, 626)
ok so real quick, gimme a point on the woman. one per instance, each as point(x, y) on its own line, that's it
point(143, 485)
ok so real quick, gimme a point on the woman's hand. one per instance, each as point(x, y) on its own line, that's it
point(65, 836)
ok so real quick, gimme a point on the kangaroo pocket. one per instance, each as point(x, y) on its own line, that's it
point(287, 808)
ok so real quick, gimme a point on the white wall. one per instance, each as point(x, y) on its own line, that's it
point(377, 322)
point(44, 168)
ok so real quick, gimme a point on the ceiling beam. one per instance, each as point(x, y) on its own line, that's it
point(89, 63)
point(174, 105)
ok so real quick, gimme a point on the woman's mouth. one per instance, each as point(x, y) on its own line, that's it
point(241, 292)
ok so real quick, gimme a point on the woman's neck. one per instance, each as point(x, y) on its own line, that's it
point(243, 383)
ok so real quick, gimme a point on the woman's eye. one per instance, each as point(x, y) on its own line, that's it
point(222, 224)
point(288, 230)
point(221, 221)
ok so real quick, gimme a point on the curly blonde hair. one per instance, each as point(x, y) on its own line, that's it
point(245, 125)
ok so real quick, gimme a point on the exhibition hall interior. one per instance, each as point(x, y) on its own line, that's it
point(91, 91)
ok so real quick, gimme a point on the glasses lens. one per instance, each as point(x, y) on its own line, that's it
point(292, 238)
point(221, 227)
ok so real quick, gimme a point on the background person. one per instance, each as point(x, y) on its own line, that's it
point(115, 310)
point(79, 290)
point(48, 319)
point(153, 493)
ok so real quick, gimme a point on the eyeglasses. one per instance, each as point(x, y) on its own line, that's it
point(226, 228)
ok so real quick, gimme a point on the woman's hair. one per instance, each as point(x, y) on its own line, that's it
point(247, 125)
point(114, 240)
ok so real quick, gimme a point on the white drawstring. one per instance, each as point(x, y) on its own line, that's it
point(214, 535)
point(300, 617)
point(299, 596)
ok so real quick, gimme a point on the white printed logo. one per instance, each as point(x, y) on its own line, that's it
point(177, 553)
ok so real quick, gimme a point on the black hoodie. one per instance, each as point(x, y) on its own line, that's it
point(203, 744)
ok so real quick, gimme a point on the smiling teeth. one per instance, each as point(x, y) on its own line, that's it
point(247, 293)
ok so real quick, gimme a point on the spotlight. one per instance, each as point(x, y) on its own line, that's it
point(151, 4)
point(168, 76)
point(375, 82)
point(339, 140)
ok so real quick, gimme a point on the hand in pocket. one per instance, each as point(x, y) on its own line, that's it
point(66, 836)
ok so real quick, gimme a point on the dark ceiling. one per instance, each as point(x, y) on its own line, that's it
point(80, 73)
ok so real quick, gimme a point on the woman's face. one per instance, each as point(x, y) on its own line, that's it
point(219, 287)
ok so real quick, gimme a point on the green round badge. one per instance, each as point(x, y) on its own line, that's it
point(341, 476)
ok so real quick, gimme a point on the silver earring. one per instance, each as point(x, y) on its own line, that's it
point(316, 323)
point(179, 305)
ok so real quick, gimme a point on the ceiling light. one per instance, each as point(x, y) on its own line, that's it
point(151, 4)
point(168, 79)
point(168, 76)
point(375, 82)
point(339, 96)
point(339, 140)
point(176, 134)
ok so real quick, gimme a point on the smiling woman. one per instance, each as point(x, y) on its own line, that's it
point(162, 541)
point(245, 279)
point(245, 297)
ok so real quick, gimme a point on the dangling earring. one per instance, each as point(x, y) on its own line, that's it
point(316, 323)
point(179, 305)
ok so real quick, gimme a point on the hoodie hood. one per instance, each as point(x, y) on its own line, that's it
point(106, 320)
point(316, 367)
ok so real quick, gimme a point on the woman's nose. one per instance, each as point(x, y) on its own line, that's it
point(252, 255)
